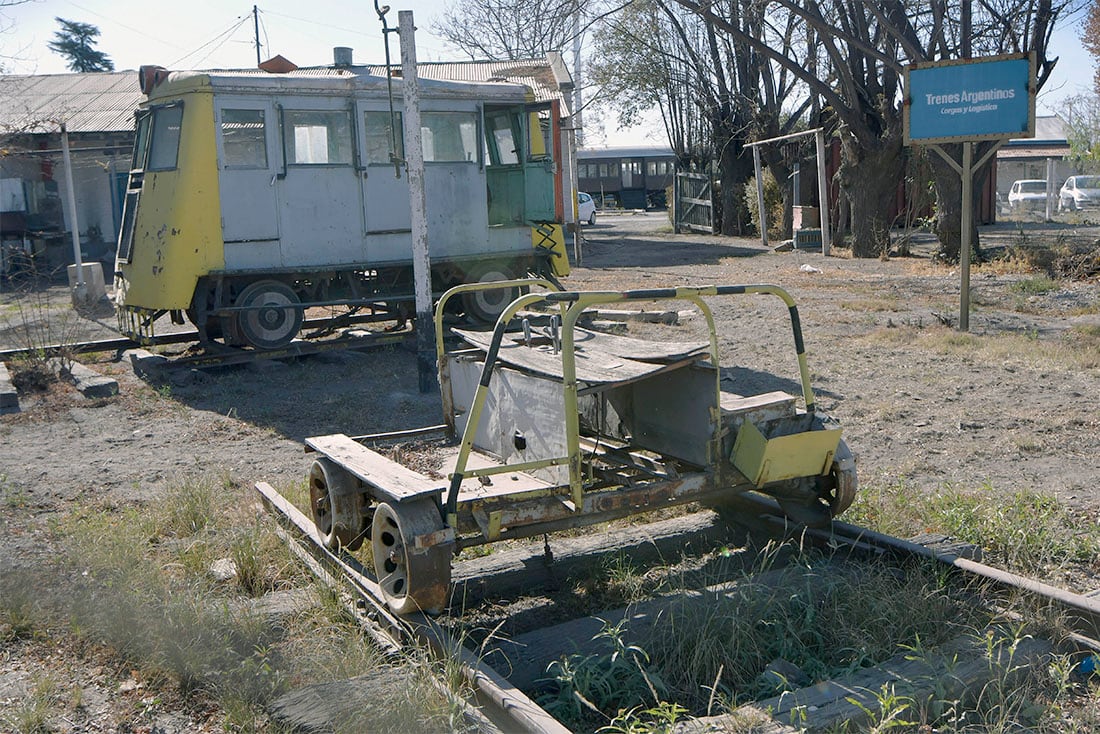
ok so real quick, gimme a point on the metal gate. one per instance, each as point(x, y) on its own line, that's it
point(694, 203)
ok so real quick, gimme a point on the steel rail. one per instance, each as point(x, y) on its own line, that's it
point(180, 337)
point(509, 705)
point(1082, 612)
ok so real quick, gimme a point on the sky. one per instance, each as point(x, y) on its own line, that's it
point(220, 34)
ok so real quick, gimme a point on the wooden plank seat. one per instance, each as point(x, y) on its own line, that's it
point(758, 408)
point(386, 477)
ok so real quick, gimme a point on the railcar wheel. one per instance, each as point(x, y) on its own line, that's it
point(413, 578)
point(835, 492)
point(487, 305)
point(273, 316)
point(338, 505)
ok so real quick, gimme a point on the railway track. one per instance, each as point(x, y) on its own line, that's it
point(219, 354)
point(498, 703)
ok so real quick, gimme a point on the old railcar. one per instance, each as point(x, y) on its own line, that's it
point(630, 178)
point(254, 196)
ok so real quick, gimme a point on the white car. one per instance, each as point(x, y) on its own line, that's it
point(1027, 194)
point(1079, 192)
point(586, 208)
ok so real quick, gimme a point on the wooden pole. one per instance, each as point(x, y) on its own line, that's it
point(967, 223)
point(823, 195)
point(414, 158)
point(763, 214)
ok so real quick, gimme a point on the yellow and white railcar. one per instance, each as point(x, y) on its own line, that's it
point(253, 196)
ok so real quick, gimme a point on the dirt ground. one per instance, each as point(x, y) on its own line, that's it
point(1012, 405)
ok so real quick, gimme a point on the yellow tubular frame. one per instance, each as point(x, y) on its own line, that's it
point(571, 304)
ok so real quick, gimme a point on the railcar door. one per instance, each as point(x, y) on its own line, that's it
point(247, 168)
point(385, 195)
point(454, 181)
point(320, 214)
point(540, 168)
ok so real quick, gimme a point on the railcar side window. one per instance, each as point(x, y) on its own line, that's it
point(500, 129)
point(380, 141)
point(164, 147)
point(141, 141)
point(539, 145)
point(449, 137)
point(318, 137)
point(244, 143)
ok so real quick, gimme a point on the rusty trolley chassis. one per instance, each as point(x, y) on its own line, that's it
point(564, 427)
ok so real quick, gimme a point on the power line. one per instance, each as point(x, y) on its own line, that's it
point(123, 25)
point(220, 39)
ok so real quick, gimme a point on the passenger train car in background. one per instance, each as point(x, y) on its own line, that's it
point(630, 178)
point(253, 196)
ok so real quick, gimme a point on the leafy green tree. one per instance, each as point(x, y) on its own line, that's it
point(75, 41)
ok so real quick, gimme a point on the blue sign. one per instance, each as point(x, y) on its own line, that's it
point(979, 99)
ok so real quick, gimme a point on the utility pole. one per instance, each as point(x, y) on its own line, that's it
point(414, 158)
point(256, 26)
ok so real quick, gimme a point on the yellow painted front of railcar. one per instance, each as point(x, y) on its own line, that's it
point(177, 227)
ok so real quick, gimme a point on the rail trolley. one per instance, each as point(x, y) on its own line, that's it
point(564, 427)
point(254, 196)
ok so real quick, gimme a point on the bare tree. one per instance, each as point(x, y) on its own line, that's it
point(714, 94)
point(508, 29)
point(863, 48)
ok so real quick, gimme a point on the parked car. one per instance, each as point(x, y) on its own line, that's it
point(1027, 194)
point(1079, 192)
point(586, 208)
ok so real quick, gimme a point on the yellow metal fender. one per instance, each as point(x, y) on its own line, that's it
point(552, 237)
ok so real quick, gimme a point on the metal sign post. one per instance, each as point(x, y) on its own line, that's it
point(414, 158)
point(964, 101)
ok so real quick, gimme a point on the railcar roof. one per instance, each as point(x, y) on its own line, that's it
point(328, 80)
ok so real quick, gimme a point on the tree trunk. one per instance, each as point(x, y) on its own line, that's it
point(949, 204)
point(735, 168)
point(869, 175)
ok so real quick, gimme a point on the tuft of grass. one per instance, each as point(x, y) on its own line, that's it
point(20, 616)
point(591, 688)
point(32, 714)
point(137, 584)
point(823, 618)
point(1031, 532)
point(1034, 286)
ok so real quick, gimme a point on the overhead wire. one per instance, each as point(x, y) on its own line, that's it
point(220, 39)
point(120, 24)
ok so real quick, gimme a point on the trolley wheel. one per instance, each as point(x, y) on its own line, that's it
point(835, 493)
point(485, 306)
point(412, 578)
point(273, 316)
point(338, 505)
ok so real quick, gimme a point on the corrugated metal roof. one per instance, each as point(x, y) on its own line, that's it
point(105, 101)
point(537, 74)
point(86, 103)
